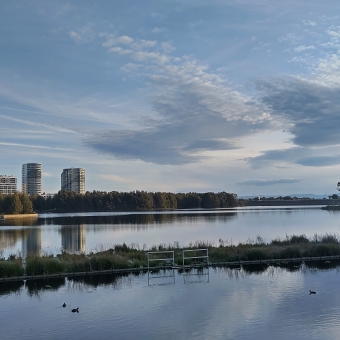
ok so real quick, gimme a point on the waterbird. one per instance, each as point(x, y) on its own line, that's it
point(64, 304)
point(311, 292)
point(75, 310)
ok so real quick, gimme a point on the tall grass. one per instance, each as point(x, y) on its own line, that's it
point(133, 256)
point(11, 268)
point(43, 266)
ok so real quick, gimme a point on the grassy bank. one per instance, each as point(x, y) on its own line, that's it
point(132, 256)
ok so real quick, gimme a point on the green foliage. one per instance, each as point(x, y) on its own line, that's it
point(27, 206)
point(132, 256)
point(17, 203)
point(11, 268)
point(135, 200)
point(43, 265)
point(253, 254)
point(289, 252)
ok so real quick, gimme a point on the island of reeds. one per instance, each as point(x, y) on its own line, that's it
point(134, 257)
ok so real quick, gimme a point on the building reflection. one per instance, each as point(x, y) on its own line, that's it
point(9, 238)
point(31, 242)
point(73, 238)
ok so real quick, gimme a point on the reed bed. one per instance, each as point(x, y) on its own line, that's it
point(123, 256)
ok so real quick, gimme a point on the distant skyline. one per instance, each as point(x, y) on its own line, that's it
point(240, 96)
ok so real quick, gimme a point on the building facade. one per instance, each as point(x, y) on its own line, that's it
point(31, 178)
point(73, 179)
point(8, 184)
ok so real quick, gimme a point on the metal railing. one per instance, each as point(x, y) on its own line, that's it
point(205, 255)
point(167, 260)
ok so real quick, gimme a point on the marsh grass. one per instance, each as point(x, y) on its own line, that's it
point(125, 256)
point(36, 265)
point(10, 268)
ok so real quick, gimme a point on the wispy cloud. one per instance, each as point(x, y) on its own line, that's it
point(268, 182)
point(35, 146)
point(158, 30)
point(83, 35)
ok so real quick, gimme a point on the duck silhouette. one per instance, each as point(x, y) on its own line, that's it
point(75, 310)
point(64, 304)
point(312, 292)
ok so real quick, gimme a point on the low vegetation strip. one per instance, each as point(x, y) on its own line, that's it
point(124, 257)
point(18, 216)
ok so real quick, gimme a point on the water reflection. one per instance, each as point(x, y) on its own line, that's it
point(236, 303)
point(31, 242)
point(36, 287)
point(38, 235)
point(161, 277)
point(139, 219)
point(89, 232)
point(27, 222)
point(73, 238)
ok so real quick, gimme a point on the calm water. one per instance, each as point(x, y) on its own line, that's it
point(52, 233)
point(217, 304)
point(248, 303)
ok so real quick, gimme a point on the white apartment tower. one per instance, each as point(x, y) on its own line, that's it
point(31, 178)
point(8, 184)
point(73, 179)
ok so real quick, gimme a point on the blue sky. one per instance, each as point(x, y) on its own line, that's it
point(240, 96)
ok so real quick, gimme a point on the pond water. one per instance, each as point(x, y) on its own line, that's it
point(52, 233)
point(221, 303)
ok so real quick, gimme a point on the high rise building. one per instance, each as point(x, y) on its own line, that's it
point(73, 179)
point(8, 184)
point(31, 178)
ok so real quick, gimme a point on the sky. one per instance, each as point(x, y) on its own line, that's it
point(240, 96)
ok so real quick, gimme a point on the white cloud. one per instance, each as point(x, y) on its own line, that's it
point(167, 47)
point(158, 15)
point(157, 30)
point(335, 35)
point(309, 23)
point(83, 35)
point(304, 48)
point(290, 37)
point(120, 50)
point(115, 178)
point(141, 44)
point(131, 67)
point(113, 40)
point(151, 56)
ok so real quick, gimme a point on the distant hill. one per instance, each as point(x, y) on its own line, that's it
point(291, 195)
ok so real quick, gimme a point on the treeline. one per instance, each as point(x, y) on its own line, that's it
point(17, 203)
point(131, 201)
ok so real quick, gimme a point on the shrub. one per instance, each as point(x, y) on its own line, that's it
point(11, 268)
point(43, 265)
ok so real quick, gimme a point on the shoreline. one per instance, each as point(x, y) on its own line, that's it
point(17, 216)
point(237, 265)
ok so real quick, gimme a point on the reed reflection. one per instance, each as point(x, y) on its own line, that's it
point(20, 222)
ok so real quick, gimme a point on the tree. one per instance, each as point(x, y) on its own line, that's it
point(27, 206)
point(15, 206)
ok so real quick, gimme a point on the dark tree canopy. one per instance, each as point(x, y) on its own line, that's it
point(134, 201)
